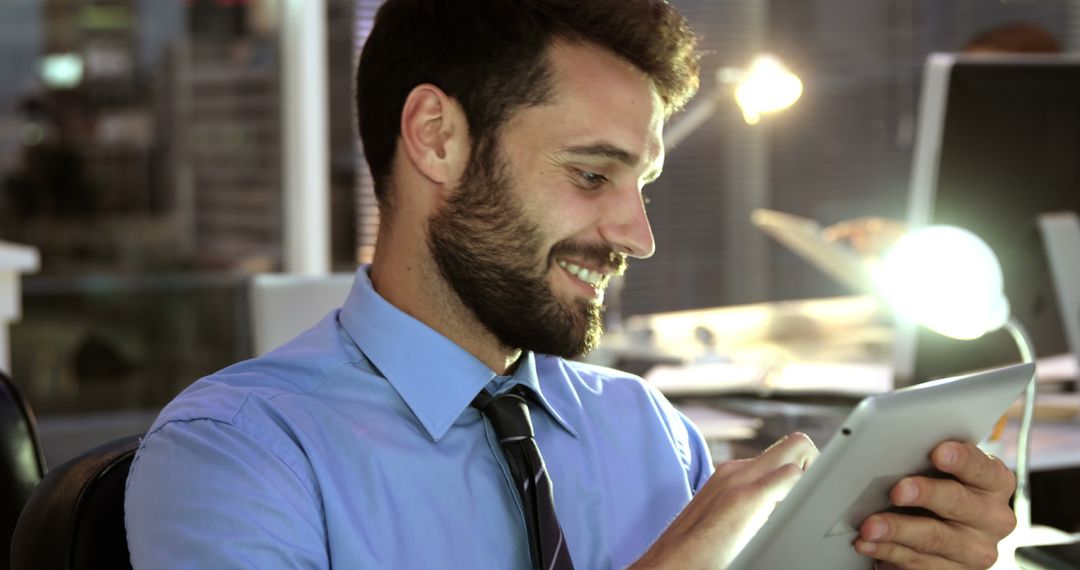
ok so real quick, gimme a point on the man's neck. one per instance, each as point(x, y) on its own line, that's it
point(409, 280)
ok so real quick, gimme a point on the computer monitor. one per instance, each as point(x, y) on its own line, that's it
point(998, 144)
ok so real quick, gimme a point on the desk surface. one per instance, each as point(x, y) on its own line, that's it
point(843, 342)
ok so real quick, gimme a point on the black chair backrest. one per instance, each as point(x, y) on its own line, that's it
point(22, 462)
point(75, 518)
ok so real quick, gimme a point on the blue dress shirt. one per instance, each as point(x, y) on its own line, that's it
point(354, 446)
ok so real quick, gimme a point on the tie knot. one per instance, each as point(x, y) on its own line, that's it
point(508, 414)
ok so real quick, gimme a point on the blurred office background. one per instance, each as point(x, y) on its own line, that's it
point(141, 151)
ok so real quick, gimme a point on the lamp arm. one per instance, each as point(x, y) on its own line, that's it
point(1022, 502)
point(691, 120)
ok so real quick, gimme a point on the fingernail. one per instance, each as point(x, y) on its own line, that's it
point(877, 529)
point(908, 491)
point(867, 547)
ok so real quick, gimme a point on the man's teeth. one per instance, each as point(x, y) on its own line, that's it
point(582, 273)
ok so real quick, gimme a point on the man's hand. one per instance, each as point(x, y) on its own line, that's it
point(869, 237)
point(731, 507)
point(973, 513)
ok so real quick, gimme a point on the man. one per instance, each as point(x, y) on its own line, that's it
point(510, 142)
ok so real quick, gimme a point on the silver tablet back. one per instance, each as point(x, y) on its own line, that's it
point(886, 438)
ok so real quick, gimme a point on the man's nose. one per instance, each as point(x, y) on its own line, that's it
point(625, 224)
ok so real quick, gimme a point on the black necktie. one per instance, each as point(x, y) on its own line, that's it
point(509, 416)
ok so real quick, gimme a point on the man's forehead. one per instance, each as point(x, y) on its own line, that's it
point(615, 104)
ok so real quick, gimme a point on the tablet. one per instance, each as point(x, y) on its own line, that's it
point(885, 439)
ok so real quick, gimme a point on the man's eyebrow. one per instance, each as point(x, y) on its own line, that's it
point(605, 150)
point(608, 150)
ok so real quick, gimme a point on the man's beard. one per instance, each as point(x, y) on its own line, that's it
point(489, 252)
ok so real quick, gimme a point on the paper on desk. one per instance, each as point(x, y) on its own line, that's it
point(800, 377)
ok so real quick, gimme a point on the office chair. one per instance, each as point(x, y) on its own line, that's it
point(22, 461)
point(75, 518)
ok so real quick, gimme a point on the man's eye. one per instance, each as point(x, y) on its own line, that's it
point(591, 179)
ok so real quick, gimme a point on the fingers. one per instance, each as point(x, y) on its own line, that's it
point(867, 236)
point(839, 231)
point(795, 449)
point(721, 518)
point(946, 498)
point(728, 468)
point(775, 485)
point(903, 539)
point(972, 514)
point(899, 556)
point(974, 468)
point(845, 229)
point(755, 502)
point(953, 501)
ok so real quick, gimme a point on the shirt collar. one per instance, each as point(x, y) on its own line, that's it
point(526, 375)
point(436, 378)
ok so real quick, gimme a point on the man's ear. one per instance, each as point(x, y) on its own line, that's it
point(435, 134)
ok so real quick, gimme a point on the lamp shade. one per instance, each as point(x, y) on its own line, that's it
point(946, 279)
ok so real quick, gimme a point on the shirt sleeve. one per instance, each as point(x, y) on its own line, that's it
point(204, 494)
point(701, 465)
point(687, 439)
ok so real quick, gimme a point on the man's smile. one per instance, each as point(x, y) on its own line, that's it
point(589, 276)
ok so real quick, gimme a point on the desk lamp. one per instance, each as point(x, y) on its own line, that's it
point(765, 86)
point(949, 280)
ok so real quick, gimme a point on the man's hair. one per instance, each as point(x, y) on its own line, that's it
point(489, 55)
point(1014, 37)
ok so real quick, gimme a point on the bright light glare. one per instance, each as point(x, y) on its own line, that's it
point(947, 279)
point(766, 87)
point(62, 70)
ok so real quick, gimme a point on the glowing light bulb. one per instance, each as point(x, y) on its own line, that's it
point(766, 87)
point(62, 70)
point(945, 278)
